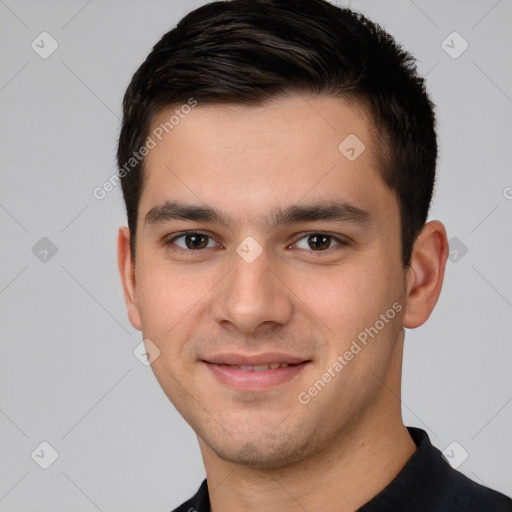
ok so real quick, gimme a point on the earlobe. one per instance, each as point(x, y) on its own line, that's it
point(127, 274)
point(425, 274)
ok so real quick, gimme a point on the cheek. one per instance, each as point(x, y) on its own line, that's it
point(172, 301)
point(169, 301)
point(165, 296)
point(342, 296)
point(346, 300)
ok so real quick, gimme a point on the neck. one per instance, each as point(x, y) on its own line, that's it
point(356, 466)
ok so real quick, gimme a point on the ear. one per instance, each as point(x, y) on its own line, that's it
point(127, 273)
point(425, 274)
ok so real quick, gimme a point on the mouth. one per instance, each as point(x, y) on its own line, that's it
point(256, 373)
point(257, 368)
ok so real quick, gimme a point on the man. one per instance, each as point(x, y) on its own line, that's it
point(277, 160)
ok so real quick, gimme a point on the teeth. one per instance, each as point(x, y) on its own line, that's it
point(259, 368)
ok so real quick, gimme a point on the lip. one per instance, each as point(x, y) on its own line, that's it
point(252, 380)
point(254, 359)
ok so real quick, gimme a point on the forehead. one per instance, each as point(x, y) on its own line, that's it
point(246, 157)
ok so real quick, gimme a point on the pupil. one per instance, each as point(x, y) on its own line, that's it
point(195, 241)
point(319, 241)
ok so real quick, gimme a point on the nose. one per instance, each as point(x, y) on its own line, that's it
point(253, 294)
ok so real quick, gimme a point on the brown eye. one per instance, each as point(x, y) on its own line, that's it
point(319, 241)
point(196, 241)
point(191, 241)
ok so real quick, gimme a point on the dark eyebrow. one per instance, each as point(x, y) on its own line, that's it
point(172, 210)
point(327, 211)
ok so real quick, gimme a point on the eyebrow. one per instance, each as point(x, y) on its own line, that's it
point(326, 210)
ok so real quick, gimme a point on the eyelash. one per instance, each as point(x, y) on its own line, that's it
point(341, 241)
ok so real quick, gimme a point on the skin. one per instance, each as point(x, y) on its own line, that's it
point(264, 450)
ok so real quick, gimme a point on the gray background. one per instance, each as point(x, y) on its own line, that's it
point(67, 369)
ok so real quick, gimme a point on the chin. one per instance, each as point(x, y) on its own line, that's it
point(263, 451)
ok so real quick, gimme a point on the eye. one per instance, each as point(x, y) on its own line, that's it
point(319, 242)
point(191, 241)
point(194, 241)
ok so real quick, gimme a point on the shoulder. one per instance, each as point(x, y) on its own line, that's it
point(200, 502)
point(428, 483)
point(458, 492)
point(449, 489)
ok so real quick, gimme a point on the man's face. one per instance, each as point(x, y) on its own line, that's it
point(268, 288)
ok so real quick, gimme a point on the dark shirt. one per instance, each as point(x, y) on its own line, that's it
point(427, 483)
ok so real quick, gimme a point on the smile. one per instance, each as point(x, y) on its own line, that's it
point(255, 377)
point(257, 368)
